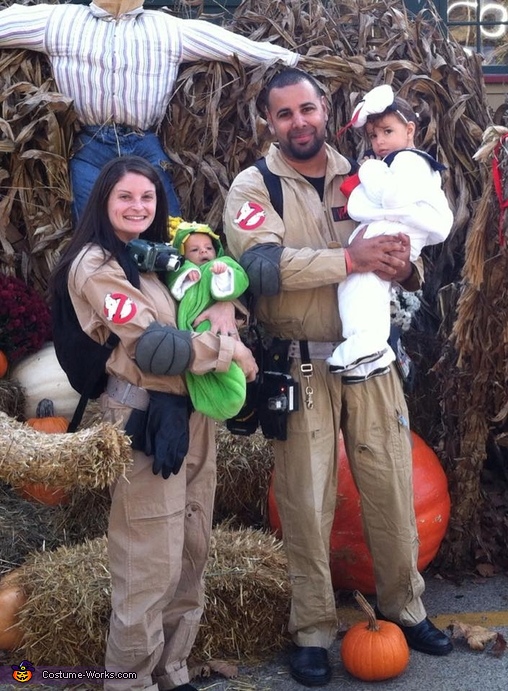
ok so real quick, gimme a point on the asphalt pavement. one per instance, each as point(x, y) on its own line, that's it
point(480, 602)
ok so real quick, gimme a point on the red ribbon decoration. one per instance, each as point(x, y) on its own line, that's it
point(496, 175)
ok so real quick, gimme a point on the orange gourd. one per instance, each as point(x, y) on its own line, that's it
point(44, 494)
point(45, 421)
point(374, 650)
point(12, 599)
point(4, 364)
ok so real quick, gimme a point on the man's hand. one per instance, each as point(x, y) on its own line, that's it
point(385, 255)
point(222, 319)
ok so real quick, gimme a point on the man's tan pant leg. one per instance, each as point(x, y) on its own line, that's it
point(305, 487)
point(377, 439)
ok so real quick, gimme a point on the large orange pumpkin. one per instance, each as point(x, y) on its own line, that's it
point(12, 599)
point(350, 560)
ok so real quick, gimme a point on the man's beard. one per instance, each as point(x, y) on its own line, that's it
point(305, 153)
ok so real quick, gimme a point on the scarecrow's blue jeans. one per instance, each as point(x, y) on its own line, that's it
point(96, 146)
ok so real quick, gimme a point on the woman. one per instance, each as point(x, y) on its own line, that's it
point(159, 526)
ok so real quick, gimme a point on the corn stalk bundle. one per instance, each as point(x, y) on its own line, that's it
point(36, 125)
point(92, 457)
point(66, 615)
point(475, 389)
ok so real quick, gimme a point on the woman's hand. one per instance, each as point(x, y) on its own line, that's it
point(221, 316)
point(245, 360)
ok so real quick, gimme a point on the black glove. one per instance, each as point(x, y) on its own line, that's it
point(167, 432)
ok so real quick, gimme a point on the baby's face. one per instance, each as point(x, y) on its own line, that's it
point(199, 248)
point(388, 134)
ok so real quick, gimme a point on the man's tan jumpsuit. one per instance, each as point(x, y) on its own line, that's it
point(372, 415)
point(159, 529)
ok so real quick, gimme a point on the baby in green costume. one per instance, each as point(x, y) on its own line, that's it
point(202, 279)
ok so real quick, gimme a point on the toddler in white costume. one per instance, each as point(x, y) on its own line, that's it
point(398, 192)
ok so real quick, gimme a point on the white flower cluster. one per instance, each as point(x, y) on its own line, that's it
point(403, 305)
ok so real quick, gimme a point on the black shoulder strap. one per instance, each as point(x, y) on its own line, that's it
point(435, 165)
point(355, 166)
point(132, 274)
point(273, 185)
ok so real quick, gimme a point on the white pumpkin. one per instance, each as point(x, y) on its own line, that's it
point(41, 376)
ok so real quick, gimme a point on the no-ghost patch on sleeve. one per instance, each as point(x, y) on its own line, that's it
point(119, 308)
point(250, 216)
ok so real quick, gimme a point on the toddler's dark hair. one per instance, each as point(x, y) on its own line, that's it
point(401, 108)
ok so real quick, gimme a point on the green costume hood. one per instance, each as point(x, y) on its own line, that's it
point(184, 229)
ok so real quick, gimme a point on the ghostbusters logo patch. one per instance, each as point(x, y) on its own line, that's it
point(119, 308)
point(250, 216)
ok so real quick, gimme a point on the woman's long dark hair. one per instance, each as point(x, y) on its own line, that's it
point(94, 225)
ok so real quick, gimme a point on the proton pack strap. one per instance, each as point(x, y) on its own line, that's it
point(111, 343)
point(273, 185)
point(132, 274)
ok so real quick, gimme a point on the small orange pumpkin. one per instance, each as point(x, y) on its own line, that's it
point(374, 650)
point(12, 599)
point(4, 364)
point(45, 421)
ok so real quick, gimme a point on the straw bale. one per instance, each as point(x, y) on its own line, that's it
point(28, 526)
point(92, 457)
point(247, 595)
point(12, 398)
point(244, 470)
point(66, 616)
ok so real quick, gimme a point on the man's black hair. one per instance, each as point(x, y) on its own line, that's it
point(289, 77)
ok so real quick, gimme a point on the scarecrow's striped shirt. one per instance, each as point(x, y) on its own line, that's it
point(123, 70)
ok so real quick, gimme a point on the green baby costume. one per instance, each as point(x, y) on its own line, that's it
point(220, 395)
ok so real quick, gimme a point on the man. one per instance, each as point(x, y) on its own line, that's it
point(119, 63)
point(294, 264)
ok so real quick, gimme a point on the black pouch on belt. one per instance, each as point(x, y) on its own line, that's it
point(162, 431)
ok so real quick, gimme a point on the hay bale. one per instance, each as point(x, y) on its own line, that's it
point(247, 596)
point(66, 616)
point(27, 526)
point(12, 398)
point(92, 457)
point(244, 469)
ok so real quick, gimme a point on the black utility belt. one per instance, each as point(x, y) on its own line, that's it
point(272, 396)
